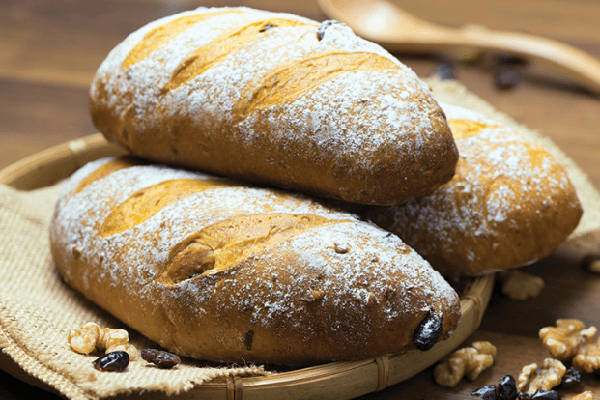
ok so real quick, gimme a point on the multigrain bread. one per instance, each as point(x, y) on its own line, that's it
point(509, 204)
point(216, 270)
point(274, 99)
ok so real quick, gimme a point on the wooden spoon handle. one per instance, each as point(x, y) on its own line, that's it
point(574, 62)
point(396, 30)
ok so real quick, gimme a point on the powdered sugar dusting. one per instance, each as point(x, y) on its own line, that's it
point(344, 118)
point(354, 264)
point(370, 282)
point(380, 103)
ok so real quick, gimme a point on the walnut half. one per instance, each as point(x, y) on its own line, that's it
point(572, 341)
point(563, 341)
point(544, 377)
point(519, 285)
point(588, 355)
point(468, 361)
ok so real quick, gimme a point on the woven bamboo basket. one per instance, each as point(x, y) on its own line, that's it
point(339, 380)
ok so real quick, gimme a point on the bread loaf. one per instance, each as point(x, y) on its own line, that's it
point(274, 99)
point(216, 270)
point(509, 204)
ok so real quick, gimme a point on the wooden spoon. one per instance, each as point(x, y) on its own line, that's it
point(384, 23)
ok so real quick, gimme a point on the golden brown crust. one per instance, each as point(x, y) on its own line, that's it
point(235, 273)
point(509, 204)
point(261, 97)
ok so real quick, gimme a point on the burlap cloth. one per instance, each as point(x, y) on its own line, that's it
point(37, 309)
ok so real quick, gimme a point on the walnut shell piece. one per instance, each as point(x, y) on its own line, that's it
point(468, 361)
point(543, 378)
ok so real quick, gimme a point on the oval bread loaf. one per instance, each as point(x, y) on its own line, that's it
point(509, 204)
point(274, 99)
point(216, 270)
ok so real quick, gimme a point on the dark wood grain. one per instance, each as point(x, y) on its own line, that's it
point(50, 49)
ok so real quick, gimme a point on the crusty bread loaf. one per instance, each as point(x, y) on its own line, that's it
point(274, 99)
point(220, 271)
point(509, 204)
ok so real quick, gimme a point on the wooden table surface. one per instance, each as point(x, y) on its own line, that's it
point(50, 49)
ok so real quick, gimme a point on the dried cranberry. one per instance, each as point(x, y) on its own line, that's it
point(428, 331)
point(570, 378)
point(547, 395)
point(162, 359)
point(485, 392)
point(444, 71)
point(507, 78)
point(116, 361)
point(507, 388)
point(539, 395)
point(511, 60)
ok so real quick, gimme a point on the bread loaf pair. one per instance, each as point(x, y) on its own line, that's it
point(214, 269)
point(274, 99)
point(509, 204)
